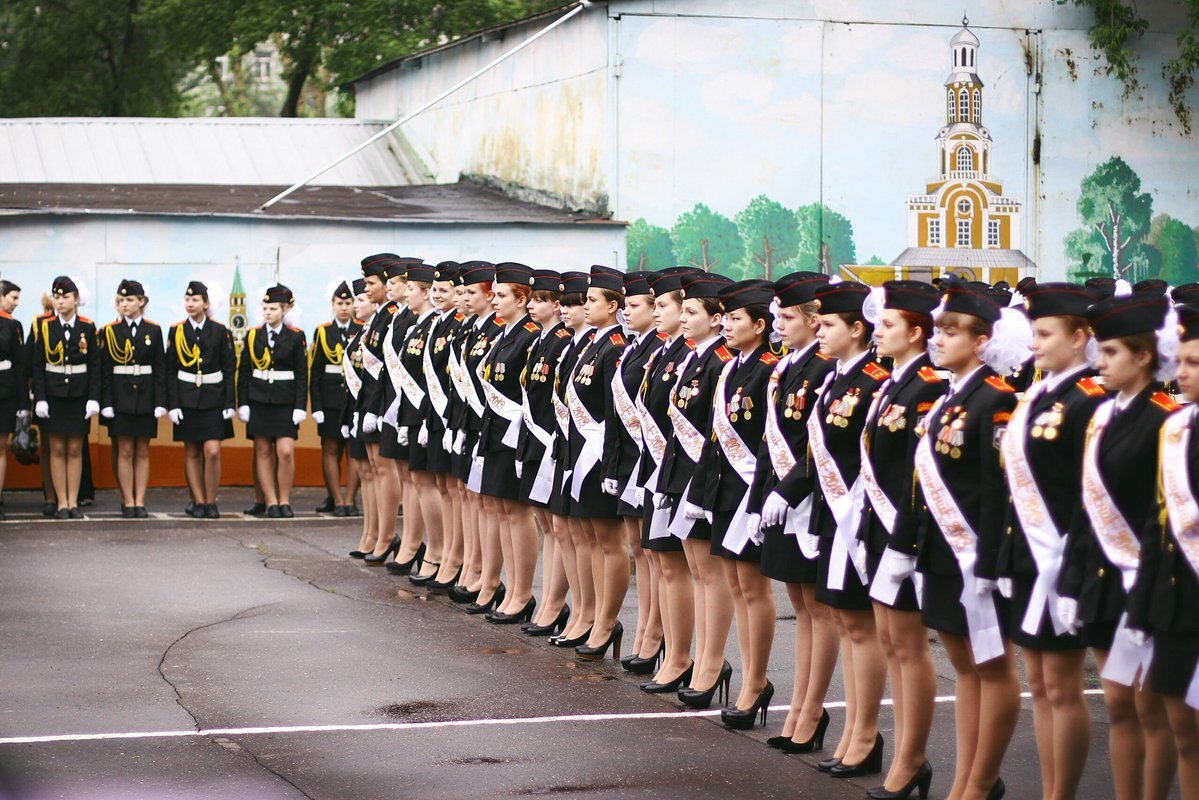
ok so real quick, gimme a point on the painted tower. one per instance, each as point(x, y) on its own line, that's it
point(239, 322)
point(963, 221)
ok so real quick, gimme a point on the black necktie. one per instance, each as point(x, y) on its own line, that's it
point(132, 330)
point(66, 332)
point(270, 338)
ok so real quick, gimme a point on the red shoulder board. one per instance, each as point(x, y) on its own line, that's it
point(326, 324)
point(769, 358)
point(1002, 417)
point(929, 375)
point(924, 408)
point(393, 309)
point(662, 337)
point(293, 328)
point(85, 319)
point(724, 354)
point(822, 356)
point(459, 316)
point(876, 371)
point(500, 321)
point(1164, 402)
point(617, 340)
point(690, 344)
point(5, 314)
point(47, 315)
point(562, 333)
point(148, 320)
point(1090, 387)
point(998, 383)
point(532, 327)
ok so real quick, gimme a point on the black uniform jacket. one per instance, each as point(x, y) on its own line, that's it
point(502, 368)
point(402, 322)
point(133, 394)
point(693, 395)
point(845, 400)
point(592, 380)
point(798, 385)
point(1055, 459)
point(412, 356)
point(482, 339)
point(51, 348)
point(717, 486)
point(370, 398)
point(441, 341)
point(661, 373)
point(620, 449)
point(327, 389)
point(14, 379)
point(539, 378)
point(459, 346)
point(353, 352)
point(980, 408)
point(289, 353)
point(891, 440)
point(1128, 450)
point(566, 365)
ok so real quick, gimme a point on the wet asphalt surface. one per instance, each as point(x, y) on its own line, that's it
point(171, 625)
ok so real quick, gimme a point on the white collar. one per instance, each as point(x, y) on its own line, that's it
point(1052, 382)
point(1123, 402)
point(275, 330)
point(599, 334)
point(427, 313)
point(705, 345)
point(67, 322)
point(742, 358)
point(845, 365)
point(480, 320)
point(133, 320)
point(197, 325)
point(583, 331)
point(898, 371)
point(343, 325)
point(545, 330)
point(956, 381)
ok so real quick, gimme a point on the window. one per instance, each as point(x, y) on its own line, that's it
point(992, 233)
point(953, 106)
point(964, 207)
point(963, 56)
point(964, 106)
point(978, 105)
point(965, 159)
point(963, 233)
point(934, 231)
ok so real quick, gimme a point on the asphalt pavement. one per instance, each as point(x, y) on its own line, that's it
point(252, 658)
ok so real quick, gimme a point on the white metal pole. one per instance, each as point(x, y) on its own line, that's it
point(427, 105)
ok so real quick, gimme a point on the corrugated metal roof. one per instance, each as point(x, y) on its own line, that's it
point(961, 257)
point(201, 150)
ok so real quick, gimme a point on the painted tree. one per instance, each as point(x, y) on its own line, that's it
point(648, 246)
point(1176, 243)
point(875, 261)
point(825, 239)
point(1112, 206)
point(707, 239)
point(771, 235)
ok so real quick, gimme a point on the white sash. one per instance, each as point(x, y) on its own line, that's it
point(437, 395)
point(465, 385)
point(543, 481)
point(593, 439)
point(739, 455)
point(1120, 544)
point(655, 445)
point(627, 411)
point(986, 639)
point(353, 381)
point(884, 509)
point(400, 378)
point(372, 363)
point(844, 501)
point(1180, 502)
point(782, 457)
point(1044, 539)
point(500, 404)
point(692, 442)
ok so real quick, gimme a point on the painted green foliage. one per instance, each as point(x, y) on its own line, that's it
point(1121, 238)
point(764, 240)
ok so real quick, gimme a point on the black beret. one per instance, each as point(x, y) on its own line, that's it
point(511, 272)
point(843, 297)
point(1058, 300)
point(130, 288)
point(636, 283)
point(1127, 315)
point(342, 292)
point(915, 296)
point(476, 272)
point(546, 280)
point(573, 283)
point(1102, 288)
point(668, 280)
point(425, 273)
point(1154, 286)
point(700, 285)
point(359, 286)
point(1188, 322)
point(1025, 284)
point(196, 288)
point(278, 294)
point(63, 285)
point(797, 288)
point(446, 271)
point(746, 293)
point(606, 278)
point(961, 298)
point(377, 264)
point(1187, 293)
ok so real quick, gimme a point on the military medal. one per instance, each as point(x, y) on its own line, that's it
point(1048, 422)
point(748, 405)
point(666, 374)
point(952, 435)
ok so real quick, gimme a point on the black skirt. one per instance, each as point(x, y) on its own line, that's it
point(906, 599)
point(418, 454)
point(331, 427)
point(782, 559)
point(460, 463)
point(592, 502)
point(437, 458)
point(273, 422)
point(356, 448)
point(943, 610)
point(66, 417)
point(1099, 635)
point(528, 476)
point(853, 596)
point(664, 544)
point(1045, 638)
point(8, 415)
point(202, 426)
point(1175, 659)
point(560, 495)
point(721, 520)
point(499, 475)
point(140, 426)
point(389, 443)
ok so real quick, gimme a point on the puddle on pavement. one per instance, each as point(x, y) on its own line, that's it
point(590, 678)
point(576, 788)
point(473, 762)
point(417, 711)
point(499, 651)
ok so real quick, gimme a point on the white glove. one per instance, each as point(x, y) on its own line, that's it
point(402, 436)
point(905, 567)
point(1067, 614)
point(176, 415)
point(611, 486)
point(984, 586)
point(298, 415)
point(345, 431)
point(1138, 638)
point(692, 511)
point(460, 442)
point(243, 413)
point(447, 441)
point(859, 559)
point(639, 496)
point(23, 415)
point(354, 424)
point(774, 510)
point(42, 409)
point(754, 523)
point(91, 409)
point(520, 468)
point(159, 412)
point(809, 543)
point(422, 435)
point(318, 417)
point(370, 423)
point(108, 412)
point(1005, 588)
point(229, 413)
point(661, 500)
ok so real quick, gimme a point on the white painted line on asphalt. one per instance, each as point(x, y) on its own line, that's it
point(409, 726)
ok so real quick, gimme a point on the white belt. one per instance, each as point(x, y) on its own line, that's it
point(133, 369)
point(66, 369)
point(5, 364)
point(333, 369)
point(274, 375)
point(201, 377)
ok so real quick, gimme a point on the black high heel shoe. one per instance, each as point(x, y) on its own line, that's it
point(437, 587)
point(497, 597)
point(694, 698)
point(423, 580)
point(919, 782)
point(524, 615)
point(742, 719)
point(653, 687)
point(870, 765)
point(997, 791)
point(460, 594)
point(562, 641)
point(644, 666)
point(814, 743)
point(555, 627)
point(597, 653)
point(378, 561)
point(359, 553)
point(405, 568)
